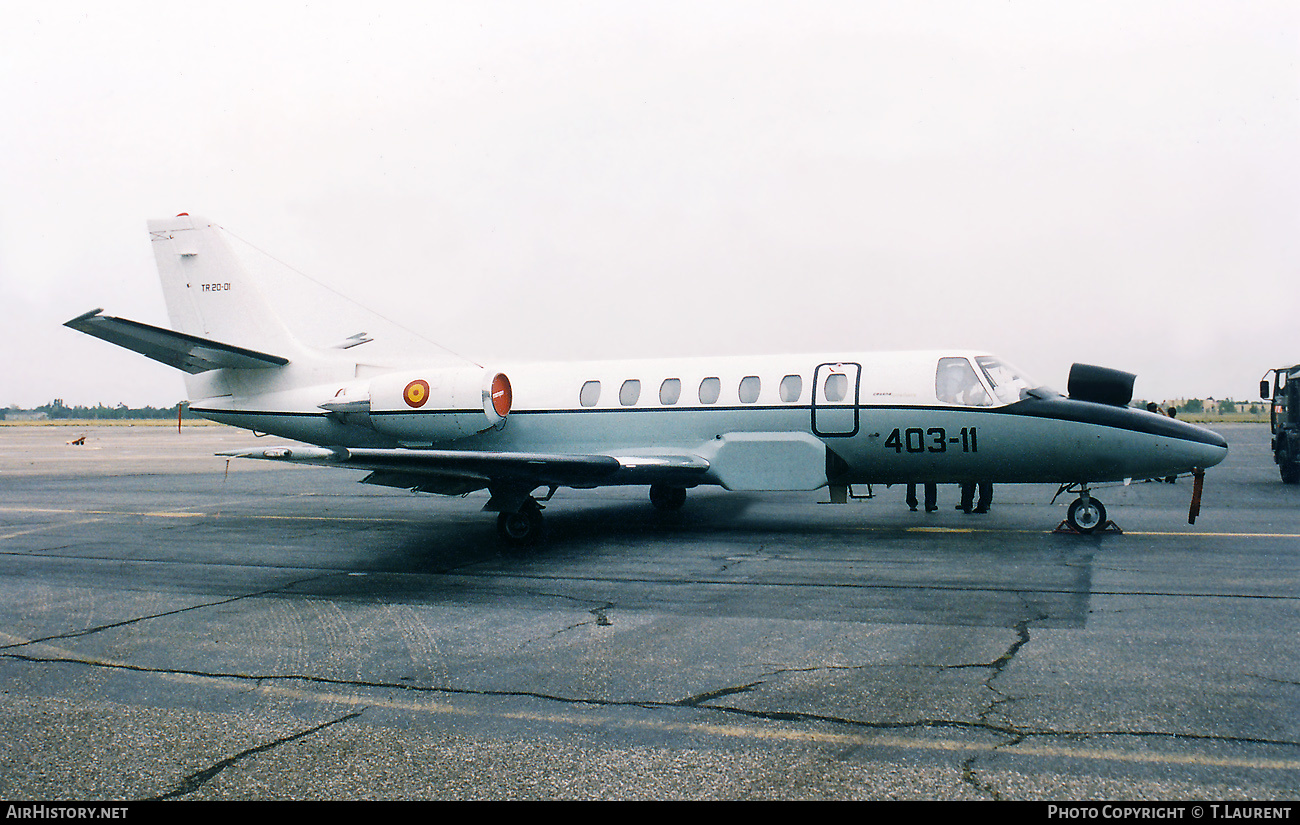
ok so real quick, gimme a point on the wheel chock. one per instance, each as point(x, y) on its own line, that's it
point(1065, 529)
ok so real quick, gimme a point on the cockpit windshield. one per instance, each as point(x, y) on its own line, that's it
point(1006, 381)
point(955, 382)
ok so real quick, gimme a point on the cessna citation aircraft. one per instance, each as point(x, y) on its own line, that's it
point(796, 422)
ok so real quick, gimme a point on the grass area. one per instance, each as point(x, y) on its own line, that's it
point(1210, 419)
point(112, 422)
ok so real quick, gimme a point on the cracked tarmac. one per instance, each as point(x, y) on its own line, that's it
point(174, 631)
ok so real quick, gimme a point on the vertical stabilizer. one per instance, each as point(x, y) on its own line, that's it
point(208, 290)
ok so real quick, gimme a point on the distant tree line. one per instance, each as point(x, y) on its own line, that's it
point(1211, 406)
point(56, 409)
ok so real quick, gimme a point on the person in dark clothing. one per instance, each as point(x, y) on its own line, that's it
point(1173, 413)
point(968, 497)
point(931, 497)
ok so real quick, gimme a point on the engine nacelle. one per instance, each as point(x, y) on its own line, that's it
point(1100, 384)
point(436, 405)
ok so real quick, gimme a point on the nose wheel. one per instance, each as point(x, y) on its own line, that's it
point(1086, 514)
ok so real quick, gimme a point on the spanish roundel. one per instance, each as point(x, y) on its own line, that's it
point(416, 393)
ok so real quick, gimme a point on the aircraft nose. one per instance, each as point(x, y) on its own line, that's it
point(1206, 448)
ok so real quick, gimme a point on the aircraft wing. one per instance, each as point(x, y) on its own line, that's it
point(454, 472)
point(175, 349)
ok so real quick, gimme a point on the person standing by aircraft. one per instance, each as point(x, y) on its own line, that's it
point(1173, 413)
point(931, 497)
point(968, 497)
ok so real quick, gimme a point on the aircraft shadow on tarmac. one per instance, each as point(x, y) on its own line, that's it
point(723, 558)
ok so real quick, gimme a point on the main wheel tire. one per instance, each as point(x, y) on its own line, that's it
point(667, 498)
point(1290, 472)
point(522, 528)
point(1086, 516)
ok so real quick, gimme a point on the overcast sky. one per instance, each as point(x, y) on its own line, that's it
point(1116, 183)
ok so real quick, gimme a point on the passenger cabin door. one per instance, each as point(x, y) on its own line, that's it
point(835, 399)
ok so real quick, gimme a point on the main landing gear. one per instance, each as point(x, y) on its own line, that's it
point(524, 527)
point(519, 514)
point(667, 498)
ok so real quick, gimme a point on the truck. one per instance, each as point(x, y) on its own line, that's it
point(1284, 418)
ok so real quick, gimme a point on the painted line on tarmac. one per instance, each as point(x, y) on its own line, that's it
point(847, 528)
point(181, 514)
point(1177, 533)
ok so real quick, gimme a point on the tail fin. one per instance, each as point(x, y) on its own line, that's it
point(226, 335)
point(208, 291)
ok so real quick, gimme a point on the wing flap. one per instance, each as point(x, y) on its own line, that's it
point(465, 470)
point(175, 349)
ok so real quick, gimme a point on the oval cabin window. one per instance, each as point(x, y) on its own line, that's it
point(837, 386)
point(630, 392)
point(791, 388)
point(670, 390)
point(710, 389)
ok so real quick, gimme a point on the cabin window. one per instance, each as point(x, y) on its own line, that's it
point(955, 382)
point(710, 389)
point(670, 390)
point(629, 392)
point(749, 386)
point(589, 394)
point(836, 387)
point(791, 388)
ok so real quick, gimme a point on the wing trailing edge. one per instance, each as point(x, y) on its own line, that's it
point(175, 349)
point(453, 472)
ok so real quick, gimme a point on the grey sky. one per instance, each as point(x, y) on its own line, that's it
point(1114, 183)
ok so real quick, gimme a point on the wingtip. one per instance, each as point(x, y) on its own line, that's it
point(84, 316)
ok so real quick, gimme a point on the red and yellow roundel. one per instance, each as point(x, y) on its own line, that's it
point(416, 393)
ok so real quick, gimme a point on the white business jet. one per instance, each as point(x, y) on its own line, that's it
point(790, 422)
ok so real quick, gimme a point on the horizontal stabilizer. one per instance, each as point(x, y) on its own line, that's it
point(175, 349)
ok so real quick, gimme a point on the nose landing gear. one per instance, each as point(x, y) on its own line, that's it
point(1085, 515)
